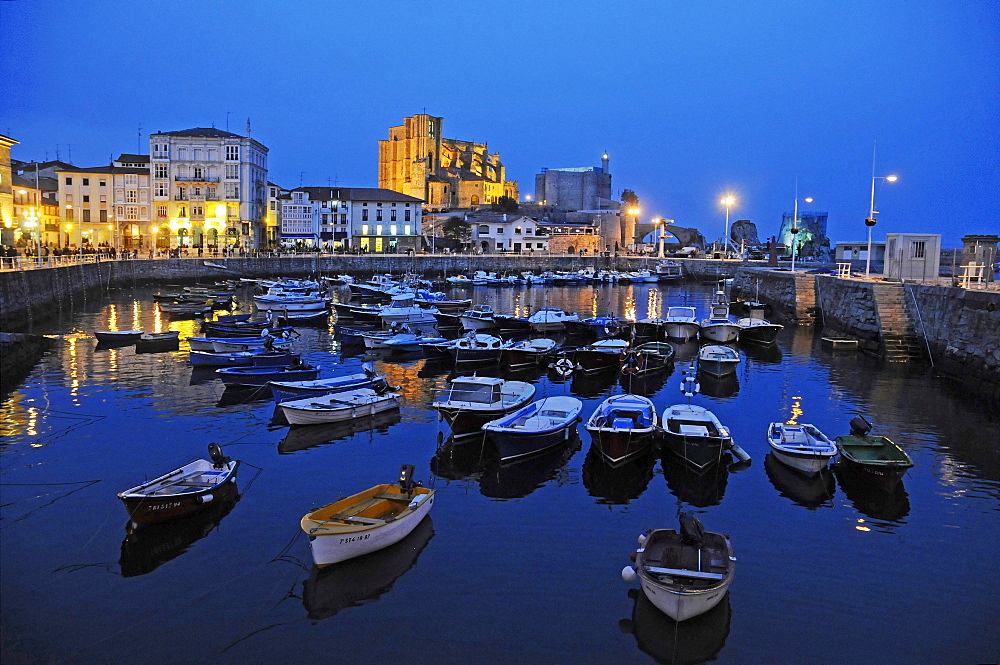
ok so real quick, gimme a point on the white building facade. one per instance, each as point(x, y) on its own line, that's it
point(209, 189)
point(501, 232)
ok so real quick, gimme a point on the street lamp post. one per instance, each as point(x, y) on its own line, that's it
point(661, 225)
point(795, 219)
point(31, 221)
point(634, 212)
point(870, 221)
point(728, 202)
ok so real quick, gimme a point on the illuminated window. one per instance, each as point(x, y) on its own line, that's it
point(392, 229)
point(407, 230)
point(364, 229)
point(378, 229)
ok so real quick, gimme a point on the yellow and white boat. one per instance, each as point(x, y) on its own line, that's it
point(368, 521)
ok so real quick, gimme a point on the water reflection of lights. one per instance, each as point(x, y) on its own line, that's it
point(136, 312)
point(796, 410)
point(157, 319)
point(112, 317)
point(74, 368)
point(860, 526)
point(629, 309)
point(654, 304)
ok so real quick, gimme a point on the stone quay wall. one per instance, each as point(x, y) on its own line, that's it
point(960, 328)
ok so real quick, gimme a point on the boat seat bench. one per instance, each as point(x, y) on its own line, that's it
point(681, 572)
point(354, 518)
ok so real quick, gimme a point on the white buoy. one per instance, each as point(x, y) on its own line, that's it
point(628, 574)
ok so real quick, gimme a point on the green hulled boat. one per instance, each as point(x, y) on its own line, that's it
point(876, 457)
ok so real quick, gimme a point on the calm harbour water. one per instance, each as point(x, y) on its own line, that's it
point(519, 564)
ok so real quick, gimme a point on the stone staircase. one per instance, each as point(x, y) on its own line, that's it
point(900, 337)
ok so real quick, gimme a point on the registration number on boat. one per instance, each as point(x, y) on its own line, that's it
point(354, 539)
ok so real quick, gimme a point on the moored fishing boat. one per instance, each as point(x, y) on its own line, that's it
point(168, 340)
point(551, 318)
point(683, 573)
point(478, 317)
point(534, 428)
point(718, 360)
point(876, 457)
point(182, 491)
point(260, 376)
point(647, 358)
point(681, 323)
point(718, 327)
point(802, 447)
point(284, 391)
point(119, 337)
point(472, 401)
point(600, 327)
point(529, 352)
point(477, 349)
point(754, 327)
point(695, 434)
point(669, 271)
point(339, 406)
point(367, 521)
point(600, 356)
point(622, 427)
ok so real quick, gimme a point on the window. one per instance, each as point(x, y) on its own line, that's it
point(500, 246)
point(392, 215)
point(197, 211)
point(484, 230)
point(499, 230)
point(343, 218)
point(86, 215)
point(232, 153)
point(86, 182)
point(132, 213)
point(232, 171)
point(517, 230)
point(406, 215)
point(69, 181)
point(364, 214)
point(196, 191)
point(407, 229)
point(378, 229)
point(197, 154)
point(364, 229)
point(104, 198)
point(86, 198)
point(274, 205)
point(103, 214)
point(131, 180)
point(199, 173)
point(160, 189)
point(131, 196)
point(378, 215)
point(919, 248)
point(210, 194)
point(181, 193)
point(104, 182)
point(392, 229)
point(161, 211)
point(232, 190)
point(160, 171)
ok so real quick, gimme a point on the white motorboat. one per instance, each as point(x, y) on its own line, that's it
point(529, 352)
point(718, 327)
point(290, 303)
point(802, 447)
point(695, 435)
point(472, 401)
point(357, 403)
point(669, 271)
point(285, 391)
point(551, 318)
point(683, 573)
point(755, 328)
point(403, 309)
point(367, 521)
point(681, 324)
point(477, 348)
point(718, 360)
point(622, 427)
point(478, 317)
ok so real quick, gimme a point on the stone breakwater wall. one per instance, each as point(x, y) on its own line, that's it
point(27, 295)
point(960, 328)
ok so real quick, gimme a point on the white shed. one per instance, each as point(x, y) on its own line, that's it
point(912, 256)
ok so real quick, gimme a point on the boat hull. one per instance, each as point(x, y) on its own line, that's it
point(681, 331)
point(295, 414)
point(761, 333)
point(145, 509)
point(699, 452)
point(591, 362)
point(722, 333)
point(466, 422)
point(331, 546)
point(284, 391)
point(876, 458)
point(246, 376)
point(619, 446)
point(512, 446)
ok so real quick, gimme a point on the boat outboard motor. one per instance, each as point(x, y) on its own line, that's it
point(406, 483)
point(860, 426)
point(692, 532)
point(218, 459)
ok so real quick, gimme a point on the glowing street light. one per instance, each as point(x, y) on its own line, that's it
point(870, 220)
point(728, 202)
point(795, 219)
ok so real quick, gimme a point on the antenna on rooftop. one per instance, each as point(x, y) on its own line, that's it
point(301, 174)
point(138, 141)
point(227, 120)
point(248, 126)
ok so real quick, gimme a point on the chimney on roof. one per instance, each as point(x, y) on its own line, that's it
point(248, 127)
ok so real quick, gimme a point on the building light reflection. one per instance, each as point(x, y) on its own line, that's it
point(796, 411)
point(860, 526)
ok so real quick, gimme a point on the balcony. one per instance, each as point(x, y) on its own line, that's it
point(178, 179)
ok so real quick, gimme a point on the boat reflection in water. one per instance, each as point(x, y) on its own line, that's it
point(808, 491)
point(459, 461)
point(587, 386)
point(522, 477)
point(363, 579)
point(300, 437)
point(616, 485)
point(870, 499)
point(233, 395)
point(696, 640)
point(761, 354)
point(696, 489)
point(146, 549)
point(685, 351)
point(719, 386)
point(646, 385)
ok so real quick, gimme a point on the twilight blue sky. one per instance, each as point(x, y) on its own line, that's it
point(690, 99)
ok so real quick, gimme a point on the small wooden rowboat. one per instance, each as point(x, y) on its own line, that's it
point(683, 573)
point(155, 342)
point(368, 521)
point(182, 491)
point(878, 458)
point(802, 447)
point(339, 406)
